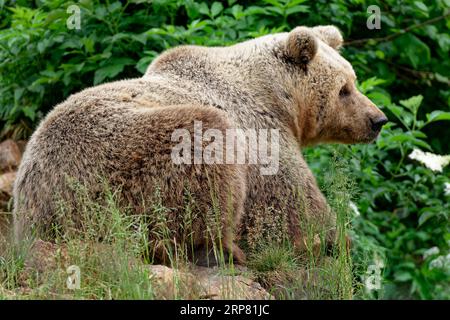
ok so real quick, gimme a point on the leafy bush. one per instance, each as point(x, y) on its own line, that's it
point(403, 207)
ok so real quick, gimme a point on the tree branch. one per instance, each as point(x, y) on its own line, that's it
point(399, 33)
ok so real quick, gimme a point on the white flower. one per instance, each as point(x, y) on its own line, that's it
point(447, 189)
point(432, 161)
point(379, 262)
point(354, 208)
point(430, 252)
point(437, 263)
point(441, 262)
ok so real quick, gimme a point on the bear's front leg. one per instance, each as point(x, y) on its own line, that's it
point(311, 222)
point(287, 204)
point(314, 227)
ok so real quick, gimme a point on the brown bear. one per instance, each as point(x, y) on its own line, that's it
point(296, 83)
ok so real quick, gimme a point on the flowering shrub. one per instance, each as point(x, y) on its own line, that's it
point(432, 161)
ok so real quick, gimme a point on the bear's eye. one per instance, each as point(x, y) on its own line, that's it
point(345, 91)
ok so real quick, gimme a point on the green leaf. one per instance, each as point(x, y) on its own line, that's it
point(18, 92)
point(114, 67)
point(419, 134)
point(438, 115)
point(412, 103)
point(370, 84)
point(203, 9)
point(42, 45)
point(407, 137)
point(425, 216)
point(216, 9)
point(379, 98)
point(254, 10)
point(297, 9)
point(88, 44)
point(292, 3)
point(29, 112)
point(421, 6)
point(278, 11)
point(414, 49)
point(114, 6)
point(236, 11)
point(275, 3)
point(403, 276)
point(403, 115)
point(140, 37)
point(144, 62)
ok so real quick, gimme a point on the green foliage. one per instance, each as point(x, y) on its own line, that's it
point(43, 61)
point(404, 210)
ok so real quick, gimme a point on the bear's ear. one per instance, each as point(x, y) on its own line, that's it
point(330, 35)
point(301, 45)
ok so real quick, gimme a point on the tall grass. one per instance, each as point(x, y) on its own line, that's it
point(113, 247)
point(105, 245)
point(319, 272)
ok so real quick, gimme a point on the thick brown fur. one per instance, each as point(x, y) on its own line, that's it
point(296, 82)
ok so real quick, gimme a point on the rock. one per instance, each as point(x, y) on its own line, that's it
point(171, 284)
point(193, 283)
point(7, 182)
point(6, 187)
point(205, 283)
point(45, 256)
point(218, 286)
point(10, 155)
point(22, 144)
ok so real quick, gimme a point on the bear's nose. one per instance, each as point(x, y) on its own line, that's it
point(378, 122)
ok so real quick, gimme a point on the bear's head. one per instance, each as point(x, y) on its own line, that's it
point(322, 84)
